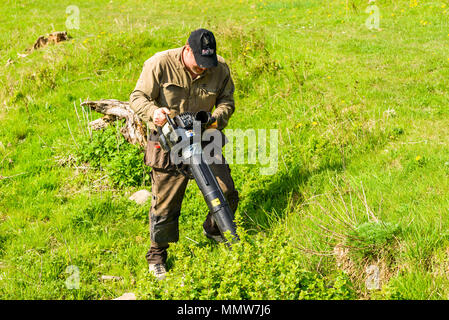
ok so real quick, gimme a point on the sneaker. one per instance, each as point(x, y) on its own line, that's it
point(158, 270)
point(217, 238)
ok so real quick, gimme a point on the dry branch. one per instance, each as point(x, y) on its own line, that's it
point(134, 130)
point(54, 37)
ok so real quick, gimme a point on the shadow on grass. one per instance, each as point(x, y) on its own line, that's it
point(270, 203)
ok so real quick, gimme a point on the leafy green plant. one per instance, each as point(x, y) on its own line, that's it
point(257, 267)
point(109, 151)
point(371, 238)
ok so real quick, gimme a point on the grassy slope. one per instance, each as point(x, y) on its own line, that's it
point(310, 69)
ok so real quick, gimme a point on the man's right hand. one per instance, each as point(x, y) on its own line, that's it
point(159, 116)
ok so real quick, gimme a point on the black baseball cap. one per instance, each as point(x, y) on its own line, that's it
point(204, 48)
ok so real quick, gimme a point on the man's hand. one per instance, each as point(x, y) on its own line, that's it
point(159, 116)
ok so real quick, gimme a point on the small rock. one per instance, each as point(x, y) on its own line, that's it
point(140, 197)
point(108, 278)
point(126, 296)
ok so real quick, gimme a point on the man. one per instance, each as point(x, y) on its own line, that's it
point(190, 78)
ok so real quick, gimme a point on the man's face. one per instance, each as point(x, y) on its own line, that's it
point(189, 61)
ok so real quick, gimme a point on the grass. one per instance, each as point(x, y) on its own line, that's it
point(362, 120)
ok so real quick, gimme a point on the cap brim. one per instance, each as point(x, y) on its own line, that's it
point(206, 61)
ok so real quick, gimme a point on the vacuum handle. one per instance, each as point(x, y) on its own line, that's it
point(170, 121)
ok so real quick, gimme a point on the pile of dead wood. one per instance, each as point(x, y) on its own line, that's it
point(134, 130)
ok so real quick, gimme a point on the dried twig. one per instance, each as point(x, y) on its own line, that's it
point(15, 175)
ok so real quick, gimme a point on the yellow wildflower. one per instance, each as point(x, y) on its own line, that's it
point(418, 158)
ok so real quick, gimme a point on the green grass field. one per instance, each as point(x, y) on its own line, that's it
point(356, 210)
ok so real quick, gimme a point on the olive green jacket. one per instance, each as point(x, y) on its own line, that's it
point(165, 82)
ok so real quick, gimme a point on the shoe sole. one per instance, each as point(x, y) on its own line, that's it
point(161, 277)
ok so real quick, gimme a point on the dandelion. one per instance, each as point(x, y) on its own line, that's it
point(413, 3)
point(418, 158)
point(314, 123)
point(328, 77)
point(299, 125)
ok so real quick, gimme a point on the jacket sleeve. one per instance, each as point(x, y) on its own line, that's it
point(225, 102)
point(143, 98)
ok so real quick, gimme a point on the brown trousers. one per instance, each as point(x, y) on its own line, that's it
point(168, 189)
